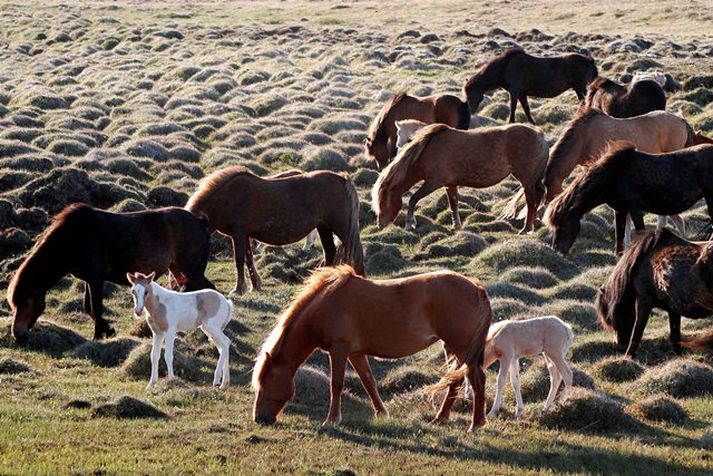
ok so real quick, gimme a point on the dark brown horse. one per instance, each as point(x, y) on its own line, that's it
point(634, 183)
point(524, 75)
point(660, 270)
point(279, 211)
point(97, 246)
point(380, 144)
point(699, 138)
point(616, 100)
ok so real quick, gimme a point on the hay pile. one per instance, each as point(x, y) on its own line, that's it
point(585, 410)
point(126, 407)
point(678, 378)
point(660, 408)
point(615, 369)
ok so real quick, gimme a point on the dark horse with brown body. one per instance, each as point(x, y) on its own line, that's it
point(380, 144)
point(660, 270)
point(616, 100)
point(97, 246)
point(524, 75)
point(280, 211)
point(634, 183)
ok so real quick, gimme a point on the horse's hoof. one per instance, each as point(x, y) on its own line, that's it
point(109, 332)
point(381, 414)
point(150, 385)
point(438, 421)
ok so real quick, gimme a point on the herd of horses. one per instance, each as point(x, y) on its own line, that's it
point(636, 158)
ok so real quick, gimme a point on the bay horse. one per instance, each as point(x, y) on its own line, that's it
point(441, 156)
point(96, 246)
point(169, 312)
point(399, 318)
point(522, 75)
point(660, 270)
point(699, 138)
point(633, 183)
point(380, 143)
point(279, 211)
point(640, 97)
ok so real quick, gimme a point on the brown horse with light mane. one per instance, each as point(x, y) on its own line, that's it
point(380, 144)
point(441, 156)
point(351, 318)
point(279, 211)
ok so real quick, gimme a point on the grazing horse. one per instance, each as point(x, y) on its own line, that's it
point(279, 211)
point(169, 312)
point(633, 183)
point(441, 156)
point(638, 98)
point(380, 144)
point(524, 75)
point(660, 270)
point(509, 340)
point(399, 318)
point(96, 246)
point(699, 138)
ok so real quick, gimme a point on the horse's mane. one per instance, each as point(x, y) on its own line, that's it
point(591, 182)
point(58, 223)
point(325, 280)
point(376, 129)
point(566, 140)
point(492, 70)
point(213, 182)
point(656, 76)
point(404, 161)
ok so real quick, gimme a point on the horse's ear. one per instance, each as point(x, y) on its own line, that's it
point(367, 141)
point(131, 278)
point(151, 276)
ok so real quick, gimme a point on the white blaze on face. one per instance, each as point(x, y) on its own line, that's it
point(139, 292)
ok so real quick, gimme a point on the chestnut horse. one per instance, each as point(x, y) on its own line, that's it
point(633, 183)
point(279, 211)
point(660, 270)
point(441, 156)
point(524, 75)
point(399, 318)
point(380, 144)
point(638, 98)
point(97, 246)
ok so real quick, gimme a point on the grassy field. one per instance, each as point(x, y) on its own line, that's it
point(129, 104)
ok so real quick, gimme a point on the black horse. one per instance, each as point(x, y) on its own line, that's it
point(524, 75)
point(96, 246)
point(616, 100)
point(660, 270)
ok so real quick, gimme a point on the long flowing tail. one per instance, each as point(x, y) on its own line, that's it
point(510, 212)
point(352, 252)
point(705, 342)
point(690, 135)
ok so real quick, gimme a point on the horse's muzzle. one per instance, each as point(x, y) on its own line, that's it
point(20, 335)
point(265, 420)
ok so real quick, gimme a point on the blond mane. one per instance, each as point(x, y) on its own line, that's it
point(377, 126)
point(212, 183)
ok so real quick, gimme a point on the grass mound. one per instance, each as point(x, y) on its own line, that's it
point(52, 339)
point(311, 387)
point(405, 379)
point(678, 378)
point(616, 369)
point(584, 410)
point(513, 253)
point(106, 353)
point(537, 278)
point(126, 407)
point(462, 243)
point(11, 366)
point(660, 408)
point(186, 366)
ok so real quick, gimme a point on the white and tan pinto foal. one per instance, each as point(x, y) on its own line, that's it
point(509, 340)
point(169, 312)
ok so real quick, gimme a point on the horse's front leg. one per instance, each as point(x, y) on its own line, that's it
point(338, 364)
point(526, 107)
point(452, 193)
point(674, 323)
point(643, 310)
point(239, 256)
point(96, 293)
point(155, 356)
point(363, 369)
point(327, 239)
point(502, 380)
point(425, 189)
point(513, 105)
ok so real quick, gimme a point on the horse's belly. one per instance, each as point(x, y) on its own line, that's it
point(402, 347)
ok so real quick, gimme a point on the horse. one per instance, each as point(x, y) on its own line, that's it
point(699, 138)
point(169, 312)
point(509, 340)
point(96, 246)
point(279, 211)
point(441, 156)
point(522, 75)
point(380, 143)
point(406, 129)
point(633, 183)
point(400, 317)
point(640, 97)
point(660, 270)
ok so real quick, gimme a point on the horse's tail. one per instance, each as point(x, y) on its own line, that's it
point(463, 116)
point(704, 342)
point(352, 252)
point(690, 134)
point(616, 299)
point(510, 212)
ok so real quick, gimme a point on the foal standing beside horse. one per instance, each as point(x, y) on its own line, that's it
point(279, 211)
point(524, 75)
point(97, 246)
point(380, 144)
point(351, 318)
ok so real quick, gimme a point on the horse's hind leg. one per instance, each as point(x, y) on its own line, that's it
point(555, 381)
point(477, 381)
point(452, 193)
point(526, 108)
point(643, 310)
point(252, 270)
point(501, 381)
point(674, 323)
point(531, 200)
point(363, 369)
point(222, 343)
point(239, 256)
point(327, 239)
point(445, 411)
point(426, 188)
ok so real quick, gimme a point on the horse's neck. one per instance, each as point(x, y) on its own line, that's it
point(156, 296)
point(558, 171)
point(41, 273)
point(295, 347)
